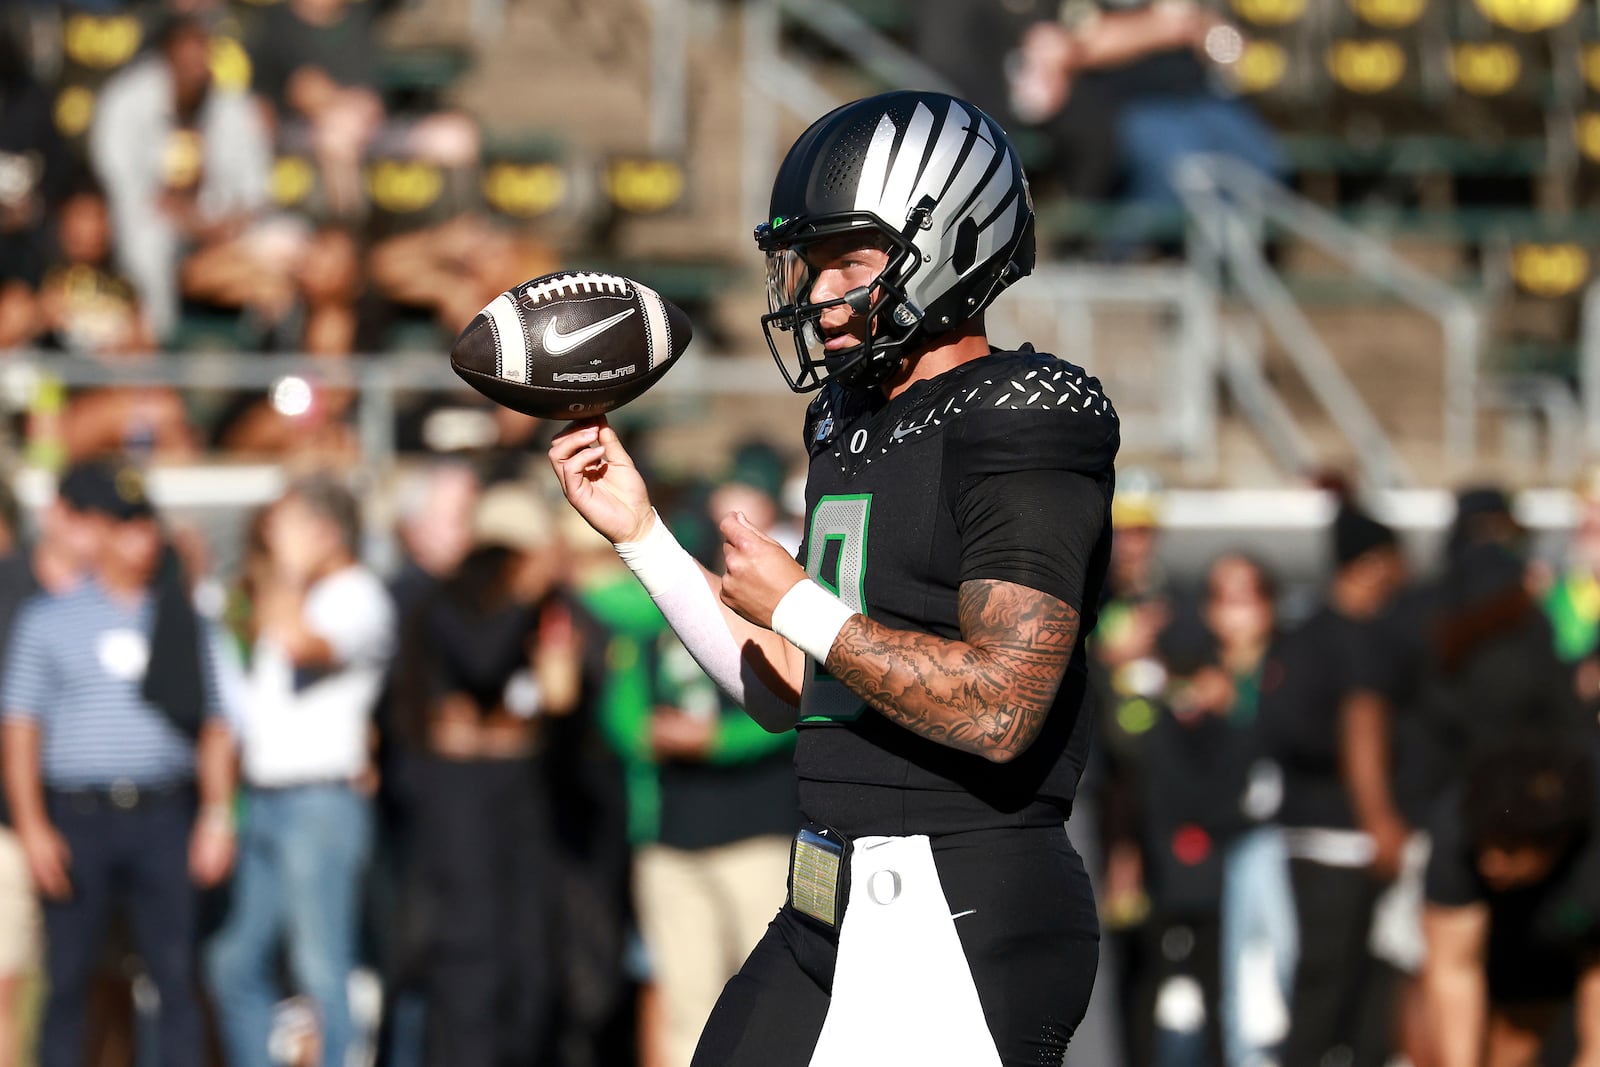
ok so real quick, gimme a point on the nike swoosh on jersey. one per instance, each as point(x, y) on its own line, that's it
point(557, 343)
point(907, 431)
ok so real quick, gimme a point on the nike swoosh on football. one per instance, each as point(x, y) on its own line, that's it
point(558, 344)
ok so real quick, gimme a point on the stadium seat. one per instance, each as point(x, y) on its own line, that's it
point(421, 71)
point(93, 45)
point(526, 175)
point(1277, 69)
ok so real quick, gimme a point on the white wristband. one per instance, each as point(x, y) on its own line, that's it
point(811, 618)
point(659, 562)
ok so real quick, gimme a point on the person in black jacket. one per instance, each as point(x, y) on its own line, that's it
point(1494, 675)
point(1321, 679)
point(484, 661)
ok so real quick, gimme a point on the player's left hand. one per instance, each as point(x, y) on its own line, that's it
point(759, 570)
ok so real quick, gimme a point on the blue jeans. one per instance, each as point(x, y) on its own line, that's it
point(1154, 133)
point(301, 858)
point(1258, 915)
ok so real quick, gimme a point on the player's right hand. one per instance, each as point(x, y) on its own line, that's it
point(600, 481)
point(48, 859)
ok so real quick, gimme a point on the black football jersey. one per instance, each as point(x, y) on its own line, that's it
point(999, 468)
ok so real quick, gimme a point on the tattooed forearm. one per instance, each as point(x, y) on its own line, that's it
point(988, 693)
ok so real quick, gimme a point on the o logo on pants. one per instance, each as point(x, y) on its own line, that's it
point(884, 886)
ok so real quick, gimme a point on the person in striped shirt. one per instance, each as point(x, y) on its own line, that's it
point(119, 767)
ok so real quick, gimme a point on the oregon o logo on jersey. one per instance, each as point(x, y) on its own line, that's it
point(836, 559)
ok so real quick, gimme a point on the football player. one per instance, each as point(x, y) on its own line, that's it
point(929, 640)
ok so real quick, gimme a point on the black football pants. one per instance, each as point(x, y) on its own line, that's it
point(1031, 942)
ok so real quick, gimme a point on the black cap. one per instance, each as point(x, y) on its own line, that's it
point(1355, 533)
point(107, 487)
point(1481, 573)
point(1483, 516)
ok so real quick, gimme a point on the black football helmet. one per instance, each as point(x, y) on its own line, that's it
point(925, 176)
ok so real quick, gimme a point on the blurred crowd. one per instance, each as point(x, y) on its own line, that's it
point(482, 810)
point(259, 176)
point(193, 174)
point(1355, 822)
point(485, 808)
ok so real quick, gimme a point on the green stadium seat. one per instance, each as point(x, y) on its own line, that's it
point(892, 17)
point(1416, 154)
point(421, 69)
point(211, 330)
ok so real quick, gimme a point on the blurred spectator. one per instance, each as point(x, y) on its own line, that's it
point(1127, 674)
point(632, 625)
point(1572, 600)
point(1136, 609)
point(33, 164)
point(1475, 667)
point(1193, 768)
point(314, 62)
point(1138, 600)
point(451, 270)
point(711, 879)
point(710, 876)
point(1495, 674)
point(1483, 517)
point(323, 632)
point(53, 562)
point(87, 307)
point(112, 728)
point(969, 43)
point(435, 505)
point(598, 1003)
point(1321, 676)
point(1512, 930)
point(302, 420)
point(435, 524)
point(328, 281)
point(186, 167)
point(486, 659)
point(1258, 936)
point(1140, 66)
point(753, 484)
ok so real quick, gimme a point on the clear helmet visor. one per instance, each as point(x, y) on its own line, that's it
point(789, 282)
point(789, 279)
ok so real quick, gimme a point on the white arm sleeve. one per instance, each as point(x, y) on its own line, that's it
point(673, 579)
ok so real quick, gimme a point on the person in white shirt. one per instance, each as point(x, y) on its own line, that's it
point(323, 631)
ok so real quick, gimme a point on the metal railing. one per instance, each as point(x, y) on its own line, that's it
point(1230, 204)
point(776, 85)
point(1166, 396)
point(1589, 368)
point(378, 382)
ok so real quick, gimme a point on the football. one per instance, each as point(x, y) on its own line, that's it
point(570, 345)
